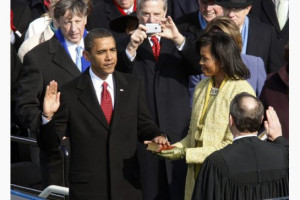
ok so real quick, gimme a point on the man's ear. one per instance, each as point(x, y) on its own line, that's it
point(86, 55)
point(231, 122)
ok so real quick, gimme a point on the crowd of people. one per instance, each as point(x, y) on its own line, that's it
point(90, 75)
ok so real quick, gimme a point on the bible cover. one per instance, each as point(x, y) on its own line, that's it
point(158, 147)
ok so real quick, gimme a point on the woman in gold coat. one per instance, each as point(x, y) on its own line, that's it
point(209, 130)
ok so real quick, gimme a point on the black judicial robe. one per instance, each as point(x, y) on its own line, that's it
point(247, 169)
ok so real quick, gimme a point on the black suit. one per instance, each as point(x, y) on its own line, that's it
point(189, 23)
point(177, 8)
point(263, 42)
point(247, 169)
point(102, 14)
point(46, 62)
point(265, 11)
point(103, 163)
point(166, 84)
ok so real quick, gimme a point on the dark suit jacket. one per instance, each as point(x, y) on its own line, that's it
point(247, 169)
point(166, 89)
point(189, 23)
point(177, 8)
point(103, 162)
point(265, 11)
point(46, 62)
point(262, 42)
point(103, 12)
point(275, 93)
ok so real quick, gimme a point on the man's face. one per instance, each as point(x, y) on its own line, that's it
point(209, 9)
point(151, 12)
point(103, 56)
point(125, 4)
point(237, 14)
point(72, 27)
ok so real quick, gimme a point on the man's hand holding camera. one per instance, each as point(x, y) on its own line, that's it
point(165, 28)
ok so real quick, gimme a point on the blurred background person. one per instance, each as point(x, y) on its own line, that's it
point(209, 131)
point(275, 93)
point(259, 39)
point(275, 13)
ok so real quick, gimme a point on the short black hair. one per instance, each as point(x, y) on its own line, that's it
point(226, 52)
point(246, 119)
point(94, 34)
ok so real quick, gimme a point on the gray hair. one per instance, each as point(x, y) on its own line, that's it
point(140, 3)
point(77, 7)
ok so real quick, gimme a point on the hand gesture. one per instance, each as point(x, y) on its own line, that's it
point(272, 125)
point(172, 154)
point(51, 100)
point(136, 39)
point(170, 31)
point(159, 140)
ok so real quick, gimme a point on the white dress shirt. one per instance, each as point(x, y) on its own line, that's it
point(97, 82)
point(72, 49)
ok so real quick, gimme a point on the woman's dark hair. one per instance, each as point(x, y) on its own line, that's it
point(226, 53)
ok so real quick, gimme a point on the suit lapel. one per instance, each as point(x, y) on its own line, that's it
point(269, 7)
point(121, 92)
point(88, 98)
point(61, 57)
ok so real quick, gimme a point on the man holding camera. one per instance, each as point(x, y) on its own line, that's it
point(158, 54)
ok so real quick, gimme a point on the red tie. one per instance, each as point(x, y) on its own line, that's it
point(106, 103)
point(155, 47)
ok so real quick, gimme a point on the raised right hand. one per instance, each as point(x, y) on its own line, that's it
point(51, 100)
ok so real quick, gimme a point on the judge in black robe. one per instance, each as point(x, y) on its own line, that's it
point(247, 169)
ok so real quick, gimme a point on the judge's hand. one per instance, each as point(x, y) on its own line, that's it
point(159, 140)
point(172, 154)
point(272, 124)
point(51, 100)
point(136, 39)
point(170, 31)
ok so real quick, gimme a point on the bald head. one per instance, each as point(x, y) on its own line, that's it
point(247, 112)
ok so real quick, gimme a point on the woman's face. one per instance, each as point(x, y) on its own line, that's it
point(208, 63)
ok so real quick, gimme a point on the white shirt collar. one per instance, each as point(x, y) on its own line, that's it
point(243, 136)
point(151, 43)
point(129, 9)
point(72, 48)
point(97, 83)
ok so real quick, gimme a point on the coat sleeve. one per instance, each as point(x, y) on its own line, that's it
point(51, 134)
point(147, 129)
point(29, 95)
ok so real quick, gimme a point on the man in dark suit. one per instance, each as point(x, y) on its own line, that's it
point(195, 22)
point(53, 59)
point(164, 73)
point(177, 8)
point(105, 11)
point(249, 168)
point(259, 39)
point(265, 10)
point(103, 112)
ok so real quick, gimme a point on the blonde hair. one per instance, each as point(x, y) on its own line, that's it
point(225, 25)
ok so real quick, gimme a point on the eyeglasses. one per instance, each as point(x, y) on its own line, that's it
point(235, 10)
